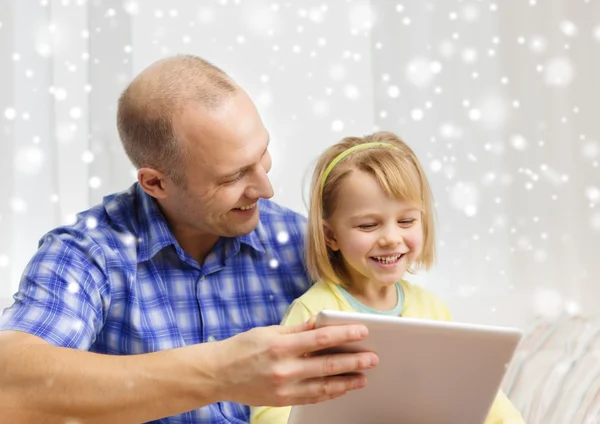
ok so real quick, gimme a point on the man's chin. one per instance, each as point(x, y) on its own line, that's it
point(239, 226)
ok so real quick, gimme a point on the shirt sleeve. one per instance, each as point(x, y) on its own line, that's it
point(297, 313)
point(62, 291)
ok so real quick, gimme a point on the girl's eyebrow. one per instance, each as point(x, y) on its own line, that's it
point(375, 214)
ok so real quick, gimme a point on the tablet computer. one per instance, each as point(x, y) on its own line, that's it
point(429, 372)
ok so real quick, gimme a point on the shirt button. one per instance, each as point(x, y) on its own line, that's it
point(212, 339)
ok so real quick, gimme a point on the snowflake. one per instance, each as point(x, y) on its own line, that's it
point(29, 160)
point(447, 49)
point(351, 92)
point(393, 91)
point(420, 71)
point(75, 113)
point(337, 72)
point(538, 44)
point(597, 32)
point(416, 114)
point(361, 17)
point(59, 93)
point(558, 72)
point(321, 108)
point(95, 182)
point(469, 55)
point(595, 221)
point(548, 303)
point(593, 194)
point(435, 165)
point(470, 13)
point(590, 149)
point(87, 157)
point(568, 28)
point(465, 196)
point(283, 237)
point(337, 125)
point(518, 142)
point(474, 114)
point(205, 15)
point(18, 205)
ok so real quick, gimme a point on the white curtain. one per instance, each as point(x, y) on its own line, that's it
point(63, 65)
point(499, 100)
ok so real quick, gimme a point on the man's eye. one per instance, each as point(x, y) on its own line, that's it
point(236, 179)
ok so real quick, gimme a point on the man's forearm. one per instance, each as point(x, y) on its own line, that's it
point(50, 384)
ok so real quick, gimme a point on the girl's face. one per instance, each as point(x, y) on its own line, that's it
point(378, 237)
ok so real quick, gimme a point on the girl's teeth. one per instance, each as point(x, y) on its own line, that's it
point(387, 260)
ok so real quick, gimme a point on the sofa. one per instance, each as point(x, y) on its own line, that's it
point(554, 377)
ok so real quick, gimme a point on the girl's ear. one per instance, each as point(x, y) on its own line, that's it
point(330, 239)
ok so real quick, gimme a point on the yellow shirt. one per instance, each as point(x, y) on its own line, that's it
point(418, 303)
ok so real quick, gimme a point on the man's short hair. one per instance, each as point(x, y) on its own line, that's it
point(147, 106)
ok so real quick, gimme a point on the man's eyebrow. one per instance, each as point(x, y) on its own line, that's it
point(245, 168)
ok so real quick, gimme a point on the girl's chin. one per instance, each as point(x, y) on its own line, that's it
point(387, 281)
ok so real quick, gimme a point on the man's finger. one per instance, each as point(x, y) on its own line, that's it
point(321, 389)
point(336, 364)
point(301, 340)
point(299, 328)
point(311, 321)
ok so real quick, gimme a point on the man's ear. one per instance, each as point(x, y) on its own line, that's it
point(330, 239)
point(153, 182)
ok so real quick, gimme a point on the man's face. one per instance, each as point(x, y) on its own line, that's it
point(225, 162)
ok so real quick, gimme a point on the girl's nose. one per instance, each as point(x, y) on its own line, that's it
point(390, 238)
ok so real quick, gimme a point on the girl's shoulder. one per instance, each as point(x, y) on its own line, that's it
point(323, 295)
point(320, 296)
point(420, 302)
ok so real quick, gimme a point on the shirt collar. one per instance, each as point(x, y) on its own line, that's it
point(154, 233)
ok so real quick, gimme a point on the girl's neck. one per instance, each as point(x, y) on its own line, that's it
point(375, 296)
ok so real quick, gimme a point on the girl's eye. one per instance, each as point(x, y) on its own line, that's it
point(407, 221)
point(366, 226)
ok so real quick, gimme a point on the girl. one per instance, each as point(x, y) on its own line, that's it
point(370, 222)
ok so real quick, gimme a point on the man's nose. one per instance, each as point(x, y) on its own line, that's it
point(261, 187)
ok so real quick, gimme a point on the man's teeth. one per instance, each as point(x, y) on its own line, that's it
point(245, 208)
point(387, 259)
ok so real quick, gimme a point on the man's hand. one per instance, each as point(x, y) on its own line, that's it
point(274, 366)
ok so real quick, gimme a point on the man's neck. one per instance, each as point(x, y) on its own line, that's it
point(198, 246)
point(196, 243)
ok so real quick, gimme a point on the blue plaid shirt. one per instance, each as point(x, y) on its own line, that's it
point(117, 282)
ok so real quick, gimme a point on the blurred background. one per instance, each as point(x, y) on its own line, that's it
point(498, 99)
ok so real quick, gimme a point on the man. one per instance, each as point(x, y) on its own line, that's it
point(144, 308)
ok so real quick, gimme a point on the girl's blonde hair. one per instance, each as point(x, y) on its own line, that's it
point(399, 174)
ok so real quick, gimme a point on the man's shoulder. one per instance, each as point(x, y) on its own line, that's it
point(281, 222)
point(106, 226)
point(271, 210)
